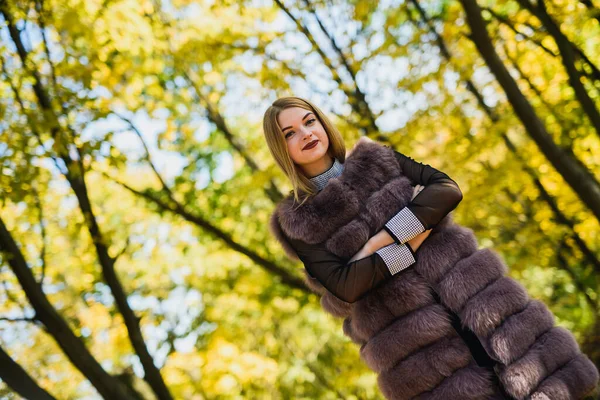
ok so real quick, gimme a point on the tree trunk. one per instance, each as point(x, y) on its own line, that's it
point(575, 174)
point(491, 113)
point(76, 178)
point(565, 47)
point(19, 380)
point(108, 387)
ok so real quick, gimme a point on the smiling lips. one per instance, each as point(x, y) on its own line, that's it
point(311, 145)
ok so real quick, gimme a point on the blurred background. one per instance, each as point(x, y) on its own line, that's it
point(136, 186)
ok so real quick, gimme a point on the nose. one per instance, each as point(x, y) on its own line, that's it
point(307, 134)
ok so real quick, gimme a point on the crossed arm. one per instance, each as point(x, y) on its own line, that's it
point(387, 252)
point(383, 238)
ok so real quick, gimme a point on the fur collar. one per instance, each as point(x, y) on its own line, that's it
point(368, 169)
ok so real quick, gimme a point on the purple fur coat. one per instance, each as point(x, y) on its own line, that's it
point(404, 334)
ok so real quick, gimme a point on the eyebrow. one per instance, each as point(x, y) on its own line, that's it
point(288, 127)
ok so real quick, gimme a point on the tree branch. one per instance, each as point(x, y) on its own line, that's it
point(566, 48)
point(70, 344)
point(75, 175)
point(206, 226)
point(19, 380)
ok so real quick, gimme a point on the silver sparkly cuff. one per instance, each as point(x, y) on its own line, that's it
point(396, 257)
point(404, 226)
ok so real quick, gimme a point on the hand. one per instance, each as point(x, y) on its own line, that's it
point(382, 238)
point(376, 242)
point(365, 251)
point(416, 191)
point(418, 240)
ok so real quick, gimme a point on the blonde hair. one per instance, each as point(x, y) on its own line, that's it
point(303, 188)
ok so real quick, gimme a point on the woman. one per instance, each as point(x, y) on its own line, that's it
point(391, 249)
point(338, 205)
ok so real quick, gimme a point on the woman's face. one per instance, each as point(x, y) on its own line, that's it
point(300, 127)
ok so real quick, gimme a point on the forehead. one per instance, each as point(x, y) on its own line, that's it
point(291, 115)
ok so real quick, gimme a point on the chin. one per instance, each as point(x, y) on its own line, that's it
point(315, 157)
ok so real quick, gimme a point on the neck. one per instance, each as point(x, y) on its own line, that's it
point(318, 167)
point(335, 170)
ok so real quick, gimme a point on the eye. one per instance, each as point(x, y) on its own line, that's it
point(309, 122)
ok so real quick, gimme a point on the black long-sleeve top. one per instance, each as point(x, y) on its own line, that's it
point(351, 281)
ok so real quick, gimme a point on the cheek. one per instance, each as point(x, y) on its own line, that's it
point(324, 138)
point(295, 153)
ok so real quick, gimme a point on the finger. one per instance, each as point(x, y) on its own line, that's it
point(415, 192)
